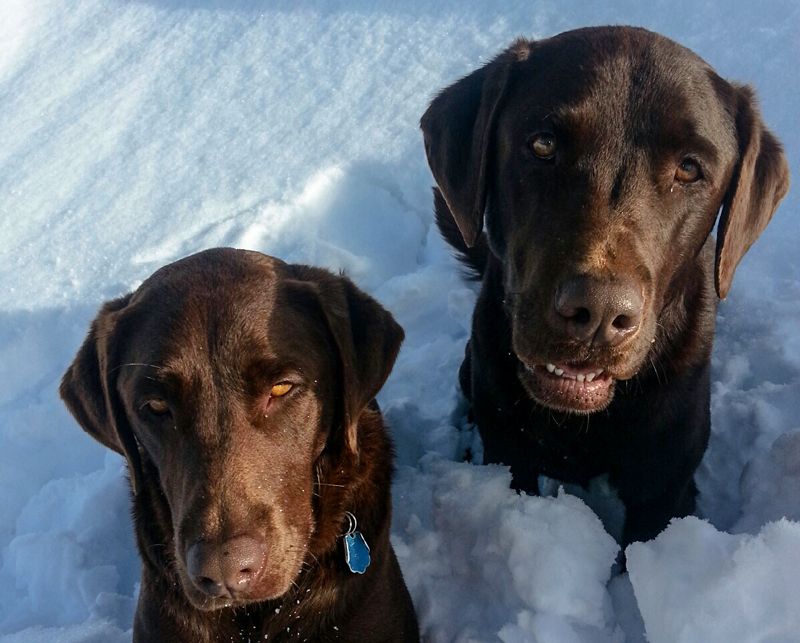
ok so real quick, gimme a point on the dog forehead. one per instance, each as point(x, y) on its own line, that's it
point(214, 269)
point(217, 303)
point(609, 82)
point(211, 321)
point(608, 53)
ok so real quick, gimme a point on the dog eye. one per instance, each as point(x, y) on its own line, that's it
point(156, 406)
point(280, 389)
point(543, 145)
point(688, 172)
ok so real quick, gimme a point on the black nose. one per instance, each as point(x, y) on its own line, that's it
point(225, 569)
point(597, 311)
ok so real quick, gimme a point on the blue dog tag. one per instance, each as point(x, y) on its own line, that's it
point(356, 552)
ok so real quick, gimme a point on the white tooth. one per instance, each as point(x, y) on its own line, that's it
point(559, 371)
point(581, 377)
point(550, 368)
point(591, 376)
point(597, 374)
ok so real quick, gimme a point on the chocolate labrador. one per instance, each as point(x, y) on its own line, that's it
point(597, 162)
point(240, 389)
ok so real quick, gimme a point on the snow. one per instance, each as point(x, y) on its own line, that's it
point(134, 133)
point(724, 587)
point(539, 566)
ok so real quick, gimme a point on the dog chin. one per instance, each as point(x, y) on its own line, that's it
point(264, 592)
point(205, 603)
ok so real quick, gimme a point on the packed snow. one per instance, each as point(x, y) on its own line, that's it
point(722, 588)
point(134, 133)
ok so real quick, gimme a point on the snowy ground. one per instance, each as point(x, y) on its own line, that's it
point(133, 133)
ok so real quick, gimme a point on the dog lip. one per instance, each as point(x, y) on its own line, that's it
point(212, 604)
point(570, 370)
point(578, 372)
point(575, 387)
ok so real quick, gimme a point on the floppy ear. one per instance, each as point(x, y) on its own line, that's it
point(87, 389)
point(366, 338)
point(458, 130)
point(759, 182)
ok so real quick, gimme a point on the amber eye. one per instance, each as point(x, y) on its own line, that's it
point(543, 145)
point(688, 172)
point(156, 406)
point(280, 389)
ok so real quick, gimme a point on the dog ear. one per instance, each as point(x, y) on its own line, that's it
point(759, 182)
point(87, 390)
point(458, 129)
point(368, 340)
point(365, 335)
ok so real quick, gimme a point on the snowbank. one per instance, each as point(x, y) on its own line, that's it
point(693, 583)
point(483, 563)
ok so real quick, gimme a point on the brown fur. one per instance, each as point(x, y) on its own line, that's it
point(604, 222)
point(210, 335)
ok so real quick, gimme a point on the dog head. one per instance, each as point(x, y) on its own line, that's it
point(230, 375)
point(600, 159)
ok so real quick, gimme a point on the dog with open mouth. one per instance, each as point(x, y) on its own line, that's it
point(580, 178)
point(241, 391)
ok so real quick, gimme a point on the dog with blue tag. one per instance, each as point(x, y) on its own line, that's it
point(240, 389)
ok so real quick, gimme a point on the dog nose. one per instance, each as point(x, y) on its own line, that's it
point(225, 569)
point(597, 311)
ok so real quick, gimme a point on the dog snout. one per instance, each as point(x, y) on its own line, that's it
point(599, 312)
point(226, 569)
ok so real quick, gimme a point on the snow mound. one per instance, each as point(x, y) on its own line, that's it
point(771, 485)
point(483, 562)
point(94, 632)
point(89, 570)
point(694, 583)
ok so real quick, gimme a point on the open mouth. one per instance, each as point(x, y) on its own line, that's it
point(573, 388)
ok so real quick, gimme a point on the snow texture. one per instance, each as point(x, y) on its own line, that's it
point(721, 588)
point(136, 132)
